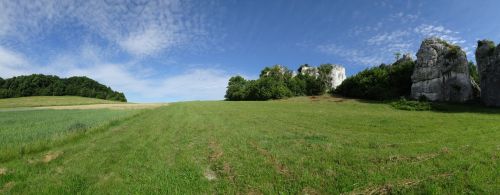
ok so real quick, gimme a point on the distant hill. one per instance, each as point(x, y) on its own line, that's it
point(49, 85)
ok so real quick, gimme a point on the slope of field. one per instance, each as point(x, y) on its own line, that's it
point(31, 131)
point(299, 146)
point(36, 101)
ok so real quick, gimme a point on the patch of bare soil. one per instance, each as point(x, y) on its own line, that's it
point(105, 106)
point(51, 156)
point(413, 159)
point(279, 167)
point(386, 188)
point(218, 167)
point(254, 192)
point(209, 174)
point(405, 183)
point(3, 171)
point(7, 186)
point(310, 191)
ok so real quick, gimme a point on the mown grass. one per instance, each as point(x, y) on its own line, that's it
point(302, 145)
point(36, 101)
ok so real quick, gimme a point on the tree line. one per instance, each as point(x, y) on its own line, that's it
point(383, 82)
point(48, 85)
point(278, 82)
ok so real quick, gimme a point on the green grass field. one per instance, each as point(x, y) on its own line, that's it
point(296, 146)
point(51, 101)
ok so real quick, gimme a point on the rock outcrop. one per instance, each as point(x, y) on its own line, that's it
point(441, 73)
point(488, 62)
point(338, 75)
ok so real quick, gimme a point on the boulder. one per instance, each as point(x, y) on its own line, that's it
point(488, 63)
point(441, 73)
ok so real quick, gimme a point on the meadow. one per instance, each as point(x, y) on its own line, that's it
point(36, 101)
point(305, 145)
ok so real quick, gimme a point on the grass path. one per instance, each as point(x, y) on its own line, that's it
point(272, 147)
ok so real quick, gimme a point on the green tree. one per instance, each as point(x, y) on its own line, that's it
point(236, 89)
point(325, 77)
point(474, 73)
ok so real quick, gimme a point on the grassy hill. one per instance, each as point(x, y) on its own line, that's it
point(36, 101)
point(297, 146)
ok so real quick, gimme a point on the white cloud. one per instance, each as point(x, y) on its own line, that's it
point(380, 47)
point(352, 55)
point(197, 84)
point(191, 84)
point(150, 41)
point(139, 28)
point(404, 17)
point(12, 63)
point(384, 38)
point(440, 32)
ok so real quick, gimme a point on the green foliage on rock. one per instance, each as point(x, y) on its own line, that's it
point(48, 85)
point(379, 83)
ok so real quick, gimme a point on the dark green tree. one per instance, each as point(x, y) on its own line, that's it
point(236, 89)
point(473, 72)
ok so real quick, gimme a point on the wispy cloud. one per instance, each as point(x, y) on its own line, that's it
point(440, 32)
point(150, 41)
point(12, 63)
point(104, 31)
point(375, 46)
point(139, 28)
point(352, 55)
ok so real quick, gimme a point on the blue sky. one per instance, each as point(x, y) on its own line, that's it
point(157, 51)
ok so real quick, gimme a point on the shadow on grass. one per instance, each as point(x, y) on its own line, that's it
point(447, 107)
point(473, 107)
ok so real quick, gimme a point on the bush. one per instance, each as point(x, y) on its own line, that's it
point(383, 82)
point(403, 104)
point(277, 82)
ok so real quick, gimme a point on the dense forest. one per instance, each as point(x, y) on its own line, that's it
point(48, 85)
point(278, 82)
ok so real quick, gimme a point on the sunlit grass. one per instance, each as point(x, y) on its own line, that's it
point(297, 146)
point(51, 101)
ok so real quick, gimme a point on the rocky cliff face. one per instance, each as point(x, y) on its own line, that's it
point(441, 73)
point(338, 75)
point(488, 62)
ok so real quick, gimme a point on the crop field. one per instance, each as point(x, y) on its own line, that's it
point(306, 145)
point(51, 101)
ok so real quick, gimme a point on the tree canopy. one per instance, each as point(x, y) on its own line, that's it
point(278, 82)
point(48, 85)
point(380, 83)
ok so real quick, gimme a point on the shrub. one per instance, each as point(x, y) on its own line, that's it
point(403, 104)
point(274, 82)
point(379, 83)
